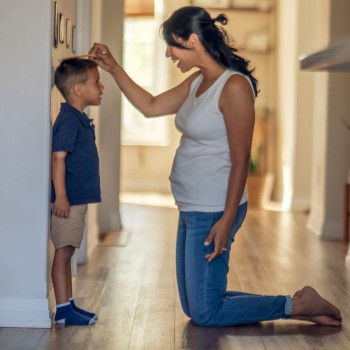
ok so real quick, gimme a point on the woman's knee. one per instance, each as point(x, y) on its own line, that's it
point(184, 306)
point(203, 318)
point(186, 312)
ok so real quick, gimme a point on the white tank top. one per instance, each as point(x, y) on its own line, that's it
point(202, 164)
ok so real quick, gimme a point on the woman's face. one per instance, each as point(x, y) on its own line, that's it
point(182, 57)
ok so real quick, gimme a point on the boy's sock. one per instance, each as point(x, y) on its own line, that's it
point(82, 311)
point(66, 315)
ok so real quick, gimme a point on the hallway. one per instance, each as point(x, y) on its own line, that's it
point(131, 285)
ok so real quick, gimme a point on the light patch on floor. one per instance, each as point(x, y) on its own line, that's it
point(148, 198)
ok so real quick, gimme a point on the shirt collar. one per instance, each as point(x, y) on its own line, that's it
point(83, 118)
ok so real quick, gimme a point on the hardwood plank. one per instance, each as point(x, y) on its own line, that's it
point(324, 337)
point(278, 262)
point(115, 238)
point(20, 338)
point(244, 338)
point(133, 289)
point(154, 320)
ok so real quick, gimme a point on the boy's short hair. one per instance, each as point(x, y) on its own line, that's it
point(72, 71)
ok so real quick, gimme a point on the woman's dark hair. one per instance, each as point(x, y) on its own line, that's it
point(192, 19)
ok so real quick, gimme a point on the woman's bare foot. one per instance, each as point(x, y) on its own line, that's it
point(321, 320)
point(308, 305)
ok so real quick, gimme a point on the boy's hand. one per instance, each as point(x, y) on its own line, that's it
point(61, 207)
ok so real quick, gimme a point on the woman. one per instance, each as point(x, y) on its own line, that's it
point(215, 113)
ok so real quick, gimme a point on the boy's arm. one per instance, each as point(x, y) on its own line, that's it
point(58, 172)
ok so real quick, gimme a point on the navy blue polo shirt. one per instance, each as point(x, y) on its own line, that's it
point(73, 132)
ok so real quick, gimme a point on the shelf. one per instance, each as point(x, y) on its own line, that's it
point(335, 58)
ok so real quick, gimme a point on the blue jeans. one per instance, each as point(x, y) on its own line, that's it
point(202, 284)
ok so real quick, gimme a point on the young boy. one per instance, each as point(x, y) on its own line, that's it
point(75, 178)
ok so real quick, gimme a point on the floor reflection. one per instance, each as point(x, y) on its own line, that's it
point(244, 337)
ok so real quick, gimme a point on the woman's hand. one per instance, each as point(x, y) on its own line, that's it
point(220, 235)
point(103, 57)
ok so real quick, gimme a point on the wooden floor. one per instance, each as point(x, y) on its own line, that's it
point(131, 285)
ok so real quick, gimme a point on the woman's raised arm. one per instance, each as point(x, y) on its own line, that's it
point(151, 106)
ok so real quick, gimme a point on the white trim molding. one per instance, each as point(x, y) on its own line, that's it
point(26, 313)
point(329, 230)
point(347, 259)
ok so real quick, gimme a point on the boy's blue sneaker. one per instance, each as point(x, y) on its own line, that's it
point(82, 311)
point(66, 315)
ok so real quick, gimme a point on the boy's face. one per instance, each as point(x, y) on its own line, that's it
point(92, 89)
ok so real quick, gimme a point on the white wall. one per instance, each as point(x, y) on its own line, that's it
point(287, 92)
point(338, 136)
point(331, 156)
point(25, 147)
point(24, 160)
point(107, 28)
point(69, 9)
point(306, 33)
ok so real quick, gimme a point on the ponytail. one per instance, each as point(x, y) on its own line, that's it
point(192, 19)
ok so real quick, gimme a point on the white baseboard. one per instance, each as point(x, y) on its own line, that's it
point(93, 240)
point(331, 231)
point(300, 204)
point(26, 313)
point(347, 259)
point(314, 224)
point(52, 302)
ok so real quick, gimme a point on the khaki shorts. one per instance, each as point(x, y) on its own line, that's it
point(69, 231)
